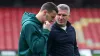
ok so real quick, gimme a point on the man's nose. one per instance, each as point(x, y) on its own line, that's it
point(61, 17)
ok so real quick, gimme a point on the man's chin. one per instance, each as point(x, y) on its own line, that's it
point(61, 23)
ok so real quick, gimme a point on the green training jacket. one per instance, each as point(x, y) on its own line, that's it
point(33, 38)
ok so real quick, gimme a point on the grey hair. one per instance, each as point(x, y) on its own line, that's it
point(64, 7)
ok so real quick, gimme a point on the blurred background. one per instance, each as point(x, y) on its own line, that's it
point(85, 17)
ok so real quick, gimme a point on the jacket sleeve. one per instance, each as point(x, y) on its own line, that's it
point(35, 41)
point(76, 51)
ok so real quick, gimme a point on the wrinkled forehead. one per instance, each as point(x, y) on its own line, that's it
point(60, 11)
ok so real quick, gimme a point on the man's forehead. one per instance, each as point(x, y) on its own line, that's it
point(62, 12)
point(53, 13)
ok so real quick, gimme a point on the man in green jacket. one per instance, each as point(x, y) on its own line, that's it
point(35, 31)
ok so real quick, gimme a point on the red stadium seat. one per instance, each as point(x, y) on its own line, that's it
point(2, 34)
point(7, 28)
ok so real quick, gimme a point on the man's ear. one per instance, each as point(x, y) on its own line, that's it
point(44, 12)
point(68, 17)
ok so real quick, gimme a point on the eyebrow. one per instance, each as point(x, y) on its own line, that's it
point(53, 16)
point(62, 14)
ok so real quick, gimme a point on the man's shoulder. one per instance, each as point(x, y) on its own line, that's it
point(72, 27)
point(29, 24)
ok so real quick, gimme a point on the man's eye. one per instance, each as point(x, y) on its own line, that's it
point(64, 15)
point(59, 14)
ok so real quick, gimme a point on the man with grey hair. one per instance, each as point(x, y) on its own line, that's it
point(62, 38)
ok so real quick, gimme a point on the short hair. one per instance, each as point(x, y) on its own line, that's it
point(64, 7)
point(49, 6)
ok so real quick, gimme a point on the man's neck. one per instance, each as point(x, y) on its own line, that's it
point(64, 27)
point(39, 16)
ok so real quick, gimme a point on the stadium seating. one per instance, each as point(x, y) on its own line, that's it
point(86, 22)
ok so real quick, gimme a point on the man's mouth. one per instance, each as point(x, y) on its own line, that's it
point(61, 21)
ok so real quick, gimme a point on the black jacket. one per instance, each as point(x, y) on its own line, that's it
point(61, 42)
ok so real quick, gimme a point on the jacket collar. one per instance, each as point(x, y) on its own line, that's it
point(55, 25)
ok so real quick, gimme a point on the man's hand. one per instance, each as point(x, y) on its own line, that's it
point(47, 25)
